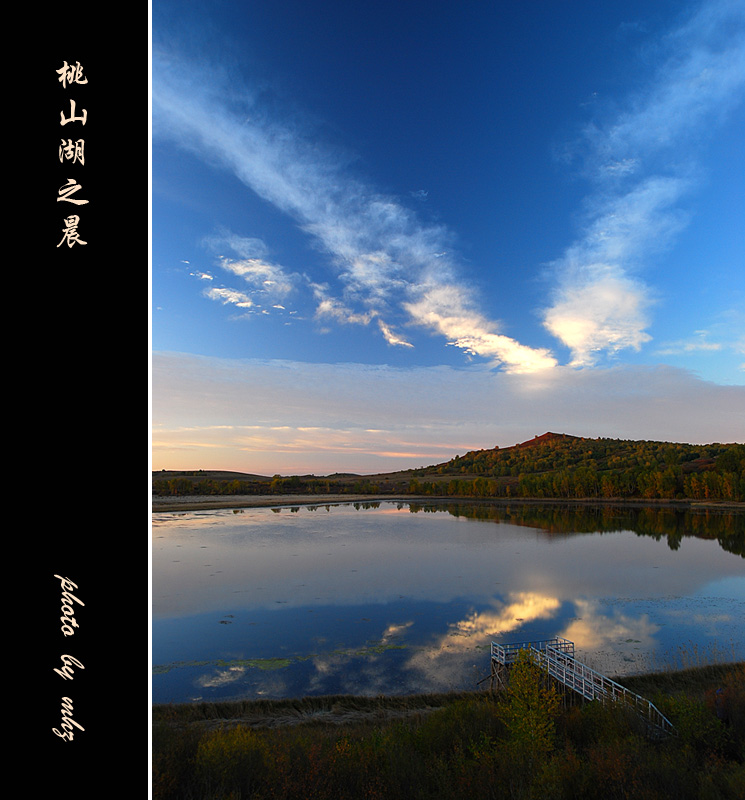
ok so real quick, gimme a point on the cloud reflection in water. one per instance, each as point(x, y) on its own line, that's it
point(388, 601)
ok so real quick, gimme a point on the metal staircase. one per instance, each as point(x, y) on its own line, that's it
point(556, 657)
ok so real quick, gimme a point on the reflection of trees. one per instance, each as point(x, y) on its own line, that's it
point(727, 527)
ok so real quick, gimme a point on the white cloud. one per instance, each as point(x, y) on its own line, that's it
point(641, 166)
point(722, 337)
point(230, 297)
point(265, 282)
point(331, 308)
point(243, 246)
point(260, 274)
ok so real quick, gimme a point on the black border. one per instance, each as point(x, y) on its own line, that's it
point(88, 301)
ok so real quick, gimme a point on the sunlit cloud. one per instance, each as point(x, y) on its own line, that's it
point(605, 314)
point(523, 607)
point(615, 639)
point(594, 630)
point(390, 336)
point(641, 163)
point(448, 310)
point(442, 659)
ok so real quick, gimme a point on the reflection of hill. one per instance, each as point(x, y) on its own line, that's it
point(727, 527)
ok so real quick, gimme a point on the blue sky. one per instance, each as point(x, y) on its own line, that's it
point(387, 233)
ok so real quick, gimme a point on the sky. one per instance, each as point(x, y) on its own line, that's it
point(384, 234)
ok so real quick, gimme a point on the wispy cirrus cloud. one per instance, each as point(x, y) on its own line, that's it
point(696, 344)
point(392, 269)
point(642, 164)
point(725, 333)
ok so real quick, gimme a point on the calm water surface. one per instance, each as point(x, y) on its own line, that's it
point(393, 598)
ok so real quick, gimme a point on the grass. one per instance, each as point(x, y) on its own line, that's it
point(305, 709)
point(459, 745)
point(693, 681)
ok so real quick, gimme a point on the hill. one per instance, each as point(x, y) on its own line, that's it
point(552, 465)
point(544, 438)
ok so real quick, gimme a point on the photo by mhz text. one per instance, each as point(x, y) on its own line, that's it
point(69, 663)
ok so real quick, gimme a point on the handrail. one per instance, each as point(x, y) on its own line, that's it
point(595, 686)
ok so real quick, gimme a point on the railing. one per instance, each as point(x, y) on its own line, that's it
point(556, 657)
point(507, 653)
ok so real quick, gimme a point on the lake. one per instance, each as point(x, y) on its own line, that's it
point(399, 598)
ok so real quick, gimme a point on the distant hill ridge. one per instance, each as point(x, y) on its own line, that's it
point(552, 465)
point(586, 449)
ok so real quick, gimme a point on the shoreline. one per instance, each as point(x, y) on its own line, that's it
point(341, 709)
point(208, 503)
point(182, 503)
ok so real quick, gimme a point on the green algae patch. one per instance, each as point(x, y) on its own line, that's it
point(268, 664)
point(256, 663)
point(251, 663)
point(354, 652)
point(161, 669)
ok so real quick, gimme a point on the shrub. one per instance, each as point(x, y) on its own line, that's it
point(231, 762)
point(699, 731)
point(462, 724)
point(173, 755)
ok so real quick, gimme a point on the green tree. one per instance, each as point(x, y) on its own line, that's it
point(732, 459)
point(529, 714)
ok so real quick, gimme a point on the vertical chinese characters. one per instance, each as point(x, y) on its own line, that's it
point(72, 152)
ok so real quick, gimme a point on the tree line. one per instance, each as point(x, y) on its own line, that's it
point(559, 468)
point(589, 468)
